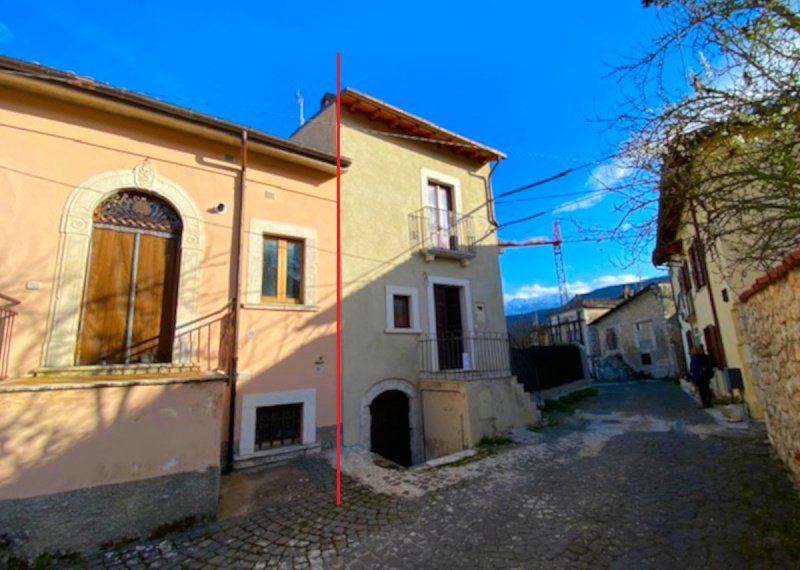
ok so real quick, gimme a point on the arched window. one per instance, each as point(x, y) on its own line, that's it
point(130, 293)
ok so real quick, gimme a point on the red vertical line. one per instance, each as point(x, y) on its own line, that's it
point(338, 283)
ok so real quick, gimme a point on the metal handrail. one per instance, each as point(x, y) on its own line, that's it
point(465, 354)
point(7, 317)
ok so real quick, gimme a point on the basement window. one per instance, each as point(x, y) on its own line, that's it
point(647, 359)
point(278, 426)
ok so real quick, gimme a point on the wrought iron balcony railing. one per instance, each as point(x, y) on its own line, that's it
point(463, 354)
point(443, 233)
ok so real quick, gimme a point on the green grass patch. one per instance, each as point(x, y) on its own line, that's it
point(497, 441)
point(556, 411)
point(568, 403)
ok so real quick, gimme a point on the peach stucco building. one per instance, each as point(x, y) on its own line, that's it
point(138, 241)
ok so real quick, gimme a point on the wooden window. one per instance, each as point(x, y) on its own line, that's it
point(282, 275)
point(402, 311)
point(644, 335)
point(684, 281)
point(698, 265)
point(442, 218)
point(277, 426)
point(611, 339)
point(714, 346)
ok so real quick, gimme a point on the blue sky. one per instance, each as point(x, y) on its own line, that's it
point(530, 79)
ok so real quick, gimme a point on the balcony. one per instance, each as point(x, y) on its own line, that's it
point(442, 233)
point(465, 355)
point(198, 347)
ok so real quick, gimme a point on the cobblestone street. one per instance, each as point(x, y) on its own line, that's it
point(640, 478)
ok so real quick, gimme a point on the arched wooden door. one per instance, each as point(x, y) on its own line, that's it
point(129, 301)
point(390, 431)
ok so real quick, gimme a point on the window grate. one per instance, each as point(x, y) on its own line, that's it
point(277, 426)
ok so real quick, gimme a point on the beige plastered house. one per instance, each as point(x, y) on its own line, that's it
point(150, 254)
point(706, 287)
point(425, 347)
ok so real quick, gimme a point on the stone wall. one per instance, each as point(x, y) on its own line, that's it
point(771, 314)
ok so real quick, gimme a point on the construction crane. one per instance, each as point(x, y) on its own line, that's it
point(561, 274)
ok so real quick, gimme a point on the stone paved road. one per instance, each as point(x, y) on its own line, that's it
point(640, 479)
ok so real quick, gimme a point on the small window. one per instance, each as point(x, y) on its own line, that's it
point(282, 276)
point(698, 264)
point(611, 339)
point(647, 359)
point(402, 311)
point(277, 426)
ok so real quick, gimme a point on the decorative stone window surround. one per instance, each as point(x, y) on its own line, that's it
point(73, 253)
point(247, 429)
point(255, 263)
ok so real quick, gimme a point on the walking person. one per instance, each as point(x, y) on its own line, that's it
point(702, 371)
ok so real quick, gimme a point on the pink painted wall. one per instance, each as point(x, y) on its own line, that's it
point(49, 147)
point(60, 440)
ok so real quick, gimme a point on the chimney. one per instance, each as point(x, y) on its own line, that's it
point(327, 99)
point(626, 292)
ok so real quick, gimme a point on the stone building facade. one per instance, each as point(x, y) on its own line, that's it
point(644, 332)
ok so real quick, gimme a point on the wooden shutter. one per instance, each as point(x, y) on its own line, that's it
point(154, 300)
point(105, 306)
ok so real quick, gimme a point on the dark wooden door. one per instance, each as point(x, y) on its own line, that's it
point(449, 326)
point(390, 432)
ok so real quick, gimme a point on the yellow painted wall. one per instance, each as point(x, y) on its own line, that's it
point(719, 279)
point(379, 191)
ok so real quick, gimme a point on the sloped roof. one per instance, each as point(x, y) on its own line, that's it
point(33, 73)
point(413, 126)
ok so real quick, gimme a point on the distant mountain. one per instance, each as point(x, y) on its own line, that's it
point(519, 306)
point(517, 309)
point(616, 291)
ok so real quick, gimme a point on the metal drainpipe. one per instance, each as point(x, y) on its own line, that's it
point(487, 183)
point(233, 368)
point(708, 285)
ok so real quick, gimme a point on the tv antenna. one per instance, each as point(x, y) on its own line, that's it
point(300, 103)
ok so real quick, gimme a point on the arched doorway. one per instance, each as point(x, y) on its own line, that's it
point(130, 292)
point(390, 431)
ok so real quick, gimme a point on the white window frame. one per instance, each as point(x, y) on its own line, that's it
point(255, 263)
point(427, 175)
point(250, 402)
point(413, 294)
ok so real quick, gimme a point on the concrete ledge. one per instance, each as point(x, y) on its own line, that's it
point(275, 455)
point(46, 384)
